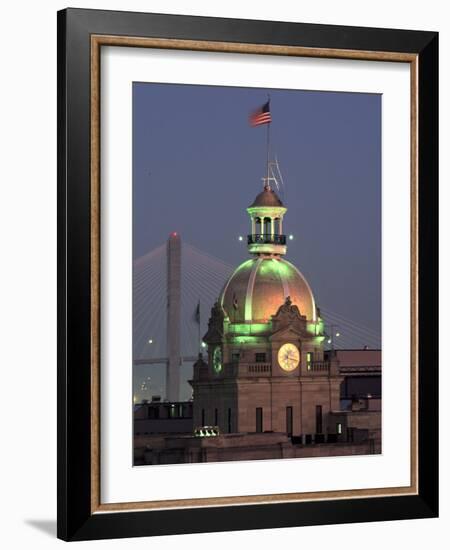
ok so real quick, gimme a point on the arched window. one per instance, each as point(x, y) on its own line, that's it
point(277, 226)
point(258, 228)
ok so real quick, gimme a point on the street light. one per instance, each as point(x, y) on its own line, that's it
point(331, 334)
point(150, 341)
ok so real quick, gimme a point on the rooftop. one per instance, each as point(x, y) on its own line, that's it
point(267, 197)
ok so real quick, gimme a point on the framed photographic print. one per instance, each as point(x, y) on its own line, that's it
point(247, 274)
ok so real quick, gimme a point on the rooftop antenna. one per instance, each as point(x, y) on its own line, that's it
point(283, 187)
point(273, 176)
point(276, 176)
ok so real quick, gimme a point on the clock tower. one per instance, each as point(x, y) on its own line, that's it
point(265, 370)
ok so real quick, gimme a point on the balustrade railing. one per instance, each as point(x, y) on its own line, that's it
point(259, 368)
point(262, 238)
point(318, 366)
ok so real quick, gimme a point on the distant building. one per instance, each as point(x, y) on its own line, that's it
point(361, 369)
point(161, 417)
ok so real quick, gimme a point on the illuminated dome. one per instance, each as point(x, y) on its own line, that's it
point(260, 286)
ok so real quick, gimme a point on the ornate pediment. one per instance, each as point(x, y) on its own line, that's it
point(288, 312)
point(215, 324)
point(288, 315)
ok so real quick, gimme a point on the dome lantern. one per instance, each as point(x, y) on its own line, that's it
point(266, 215)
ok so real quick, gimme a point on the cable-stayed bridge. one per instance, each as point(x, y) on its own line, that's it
point(169, 283)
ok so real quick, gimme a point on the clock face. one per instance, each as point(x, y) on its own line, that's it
point(217, 359)
point(288, 357)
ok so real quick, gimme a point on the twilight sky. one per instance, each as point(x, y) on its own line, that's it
point(198, 164)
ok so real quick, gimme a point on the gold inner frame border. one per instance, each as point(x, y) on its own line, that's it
point(97, 41)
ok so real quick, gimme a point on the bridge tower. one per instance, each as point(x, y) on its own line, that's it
point(173, 317)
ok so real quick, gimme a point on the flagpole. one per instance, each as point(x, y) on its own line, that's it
point(268, 145)
point(199, 327)
point(268, 148)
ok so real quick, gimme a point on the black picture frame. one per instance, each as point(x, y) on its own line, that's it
point(75, 518)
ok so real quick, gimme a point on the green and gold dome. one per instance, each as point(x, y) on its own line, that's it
point(260, 285)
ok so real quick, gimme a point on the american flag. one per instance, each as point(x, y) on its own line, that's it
point(261, 116)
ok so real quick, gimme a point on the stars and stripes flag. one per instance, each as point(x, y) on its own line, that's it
point(261, 116)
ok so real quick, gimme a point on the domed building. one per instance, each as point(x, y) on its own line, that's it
point(266, 370)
